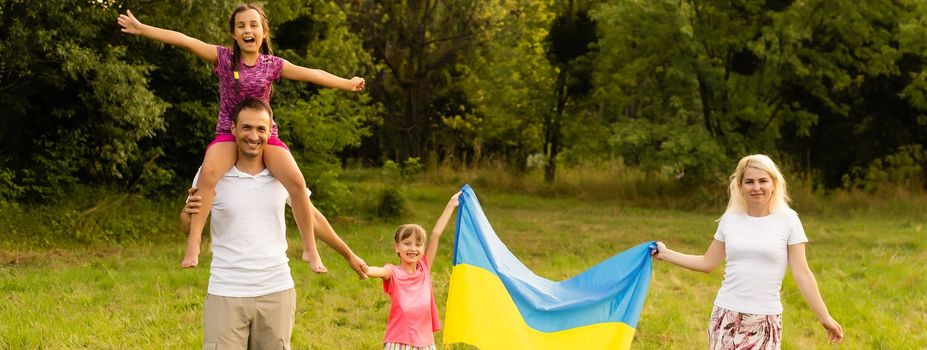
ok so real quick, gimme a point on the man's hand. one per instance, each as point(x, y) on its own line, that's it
point(192, 204)
point(359, 266)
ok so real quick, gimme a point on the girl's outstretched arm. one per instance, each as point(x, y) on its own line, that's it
point(320, 77)
point(702, 263)
point(439, 228)
point(377, 272)
point(132, 25)
point(808, 286)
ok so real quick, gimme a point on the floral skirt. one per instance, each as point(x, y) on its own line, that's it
point(731, 330)
point(398, 346)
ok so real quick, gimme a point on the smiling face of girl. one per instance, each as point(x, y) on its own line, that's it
point(249, 30)
point(410, 244)
point(410, 250)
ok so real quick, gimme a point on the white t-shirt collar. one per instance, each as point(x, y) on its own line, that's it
point(234, 172)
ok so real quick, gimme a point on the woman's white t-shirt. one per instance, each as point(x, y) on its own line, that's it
point(757, 256)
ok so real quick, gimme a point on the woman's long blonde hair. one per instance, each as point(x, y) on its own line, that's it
point(780, 195)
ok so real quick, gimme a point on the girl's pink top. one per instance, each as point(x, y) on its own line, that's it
point(413, 315)
point(254, 81)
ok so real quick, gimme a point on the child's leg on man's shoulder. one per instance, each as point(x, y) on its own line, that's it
point(283, 167)
point(220, 156)
point(281, 164)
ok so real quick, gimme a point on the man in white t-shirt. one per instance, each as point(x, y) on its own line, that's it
point(251, 300)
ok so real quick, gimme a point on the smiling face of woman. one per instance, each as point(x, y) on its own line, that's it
point(757, 188)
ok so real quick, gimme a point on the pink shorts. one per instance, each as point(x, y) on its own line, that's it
point(273, 141)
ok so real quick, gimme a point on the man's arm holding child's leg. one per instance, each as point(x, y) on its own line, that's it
point(325, 232)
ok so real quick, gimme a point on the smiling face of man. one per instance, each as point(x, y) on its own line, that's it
point(251, 130)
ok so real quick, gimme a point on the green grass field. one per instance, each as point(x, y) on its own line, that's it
point(871, 272)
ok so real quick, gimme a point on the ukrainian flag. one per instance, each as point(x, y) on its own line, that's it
point(495, 302)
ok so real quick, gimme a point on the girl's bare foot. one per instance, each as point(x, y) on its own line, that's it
point(315, 262)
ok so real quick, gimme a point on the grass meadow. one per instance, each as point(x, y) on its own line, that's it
point(133, 295)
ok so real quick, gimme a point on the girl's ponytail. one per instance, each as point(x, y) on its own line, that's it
point(236, 59)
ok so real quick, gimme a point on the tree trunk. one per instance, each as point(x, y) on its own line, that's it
point(704, 93)
point(553, 127)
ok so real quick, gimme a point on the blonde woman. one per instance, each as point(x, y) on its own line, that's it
point(758, 236)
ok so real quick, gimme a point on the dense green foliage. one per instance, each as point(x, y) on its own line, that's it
point(680, 89)
point(834, 84)
point(85, 103)
point(75, 106)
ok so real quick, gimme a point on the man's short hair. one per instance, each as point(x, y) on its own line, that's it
point(251, 103)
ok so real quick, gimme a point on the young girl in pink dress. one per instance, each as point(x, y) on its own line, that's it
point(248, 69)
point(413, 315)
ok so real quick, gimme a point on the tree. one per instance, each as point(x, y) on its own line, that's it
point(568, 43)
point(860, 77)
point(89, 104)
point(509, 82)
point(646, 83)
point(318, 123)
point(418, 44)
point(74, 109)
point(700, 82)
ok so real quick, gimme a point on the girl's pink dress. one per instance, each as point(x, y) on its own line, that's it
point(413, 314)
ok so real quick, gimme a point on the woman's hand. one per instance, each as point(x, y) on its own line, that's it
point(834, 330)
point(658, 253)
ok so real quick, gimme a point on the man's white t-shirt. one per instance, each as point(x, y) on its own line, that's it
point(248, 236)
point(757, 256)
